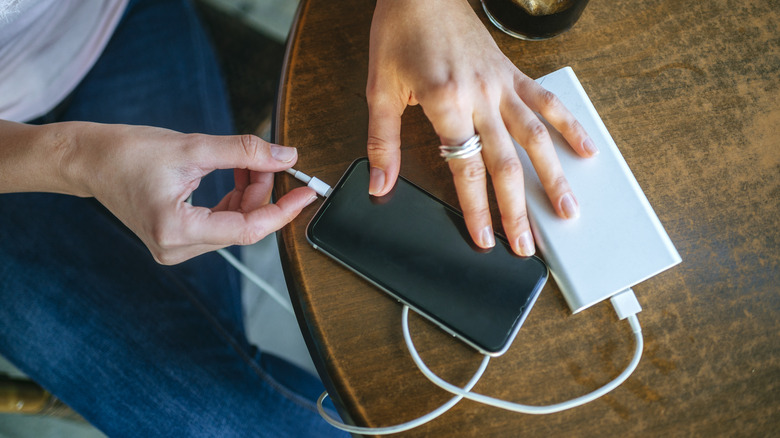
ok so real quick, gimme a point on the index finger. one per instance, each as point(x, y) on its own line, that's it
point(242, 152)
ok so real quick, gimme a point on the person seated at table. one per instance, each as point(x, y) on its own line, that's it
point(114, 113)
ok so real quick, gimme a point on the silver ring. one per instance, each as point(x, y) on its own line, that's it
point(471, 147)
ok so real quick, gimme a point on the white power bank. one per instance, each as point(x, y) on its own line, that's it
point(617, 241)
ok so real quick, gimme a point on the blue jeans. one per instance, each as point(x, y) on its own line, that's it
point(137, 348)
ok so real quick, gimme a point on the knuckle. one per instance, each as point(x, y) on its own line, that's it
point(377, 90)
point(477, 211)
point(198, 142)
point(373, 90)
point(447, 88)
point(252, 145)
point(537, 134)
point(517, 221)
point(472, 171)
point(485, 86)
point(165, 258)
point(549, 99)
point(508, 167)
point(572, 126)
point(446, 96)
point(377, 145)
point(560, 184)
point(164, 240)
point(164, 237)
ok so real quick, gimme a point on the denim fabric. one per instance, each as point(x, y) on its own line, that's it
point(137, 348)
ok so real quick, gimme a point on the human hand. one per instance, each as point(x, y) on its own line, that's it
point(464, 84)
point(145, 175)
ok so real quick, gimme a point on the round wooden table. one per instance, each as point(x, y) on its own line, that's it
point(689, 92)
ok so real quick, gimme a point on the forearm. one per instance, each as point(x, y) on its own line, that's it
point(35, 158)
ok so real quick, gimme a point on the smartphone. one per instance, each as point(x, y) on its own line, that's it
point(416, 248)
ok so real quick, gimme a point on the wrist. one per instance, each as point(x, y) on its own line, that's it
point(40, 158)
point(62, 143)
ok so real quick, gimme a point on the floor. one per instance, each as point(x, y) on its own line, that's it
point(268, 324)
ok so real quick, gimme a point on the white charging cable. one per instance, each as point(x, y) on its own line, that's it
point(259, 282)
point(409, 424)
point(251, 276)
point(626, 306)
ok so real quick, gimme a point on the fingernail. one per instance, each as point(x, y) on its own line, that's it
point(284, 154)
point(310, 200)
point(486, 237)
point(525, 244)
point(376, 180)
point(590, 147)
point(569, 206)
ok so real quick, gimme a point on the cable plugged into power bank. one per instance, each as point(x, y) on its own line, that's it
point(626, 306)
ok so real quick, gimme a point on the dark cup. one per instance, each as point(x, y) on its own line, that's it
point(534, 19)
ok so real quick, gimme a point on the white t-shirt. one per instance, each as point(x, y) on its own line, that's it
point(47, 47)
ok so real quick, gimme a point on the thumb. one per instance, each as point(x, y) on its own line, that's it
point(224, 228)
point(384, 147)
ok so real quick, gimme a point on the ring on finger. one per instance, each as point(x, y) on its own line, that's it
point(471, 147)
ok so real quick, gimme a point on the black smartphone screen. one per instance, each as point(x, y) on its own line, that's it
point(417, 248)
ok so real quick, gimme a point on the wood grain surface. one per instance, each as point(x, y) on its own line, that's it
point(689, 92)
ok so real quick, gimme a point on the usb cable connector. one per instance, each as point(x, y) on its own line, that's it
point(315, 183)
